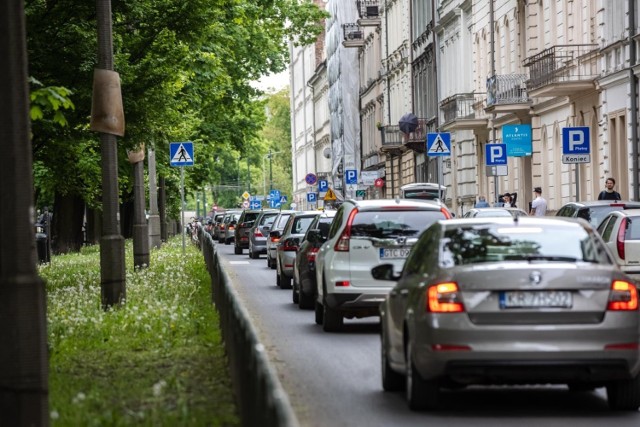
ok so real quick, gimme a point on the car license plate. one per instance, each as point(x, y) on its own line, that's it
point(394, 253)
point(535, 299)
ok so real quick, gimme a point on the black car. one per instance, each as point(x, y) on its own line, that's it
point(595, 211)
point(304, 273)
point(246, 221)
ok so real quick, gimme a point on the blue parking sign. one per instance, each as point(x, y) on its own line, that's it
point(496, 154)
point(351, 176)
point(576, 145)
point(323, 185)
point(312, 197)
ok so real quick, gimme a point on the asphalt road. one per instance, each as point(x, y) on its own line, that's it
point(333, 379)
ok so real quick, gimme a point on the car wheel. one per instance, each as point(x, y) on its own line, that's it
point(295, 296)
point(420, 394)
point(319, 313)
point(237, 250)
point(285, 281)
point(305, 300)
point(624, 395)
point(391, 380)
point(278, 277)
point(227, 241)
point(252, 254)
point(268, 260)
point(332, 319)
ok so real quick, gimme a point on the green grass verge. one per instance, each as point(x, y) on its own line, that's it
point(158, 360)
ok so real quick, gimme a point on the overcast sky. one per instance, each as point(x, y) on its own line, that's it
point(273, 81)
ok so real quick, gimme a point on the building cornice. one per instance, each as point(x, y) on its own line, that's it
point(549, 105)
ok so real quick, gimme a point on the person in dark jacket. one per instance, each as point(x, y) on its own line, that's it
point(609, 193)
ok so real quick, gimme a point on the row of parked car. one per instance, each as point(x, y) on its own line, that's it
point(487, 299)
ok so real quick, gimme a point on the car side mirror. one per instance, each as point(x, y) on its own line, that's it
point(314, 236)
point(384, 272)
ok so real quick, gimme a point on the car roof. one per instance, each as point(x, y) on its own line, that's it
point(589, 203)
point(626, 212)
point(522, 221)
point(381, 203)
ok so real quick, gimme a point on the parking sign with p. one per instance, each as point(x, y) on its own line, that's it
point(496, 154)
point(351, 176)
point(576, 145)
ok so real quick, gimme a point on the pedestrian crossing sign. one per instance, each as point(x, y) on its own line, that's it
point(181, 153)
point(439, 144)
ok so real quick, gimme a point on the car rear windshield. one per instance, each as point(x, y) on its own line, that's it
point(301, 224)
point(595, 214)
point(250, 216)
point(282, 221)
point(393, 223)
point(500, 243)
point(633, 228)
point(267, 219)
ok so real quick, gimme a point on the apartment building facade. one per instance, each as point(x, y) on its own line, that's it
point(479, 69)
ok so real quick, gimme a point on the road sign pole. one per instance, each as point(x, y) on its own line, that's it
point(577, 182)
point(182, 208)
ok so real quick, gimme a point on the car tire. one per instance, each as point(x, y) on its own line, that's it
point(237, 250)
point(227, 241)
point(624, 395)
point(319, 313)
point(305, 301)
point(421, 394)
point(391, 380)
point(332, 319)
point(252, 254)
point(295, 295)
point(285, 281)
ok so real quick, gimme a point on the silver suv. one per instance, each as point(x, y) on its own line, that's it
point(364, 234)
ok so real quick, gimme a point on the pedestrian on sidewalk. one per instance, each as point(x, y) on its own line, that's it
point(609, 193)
point(539, 204)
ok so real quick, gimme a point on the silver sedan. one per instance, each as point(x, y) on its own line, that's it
point(498, 301)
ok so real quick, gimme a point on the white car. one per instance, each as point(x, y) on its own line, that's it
point(620, 231)
point(364, 234)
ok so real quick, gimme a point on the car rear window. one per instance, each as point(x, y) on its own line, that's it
point(282, 221)
point(267, 219)
point(393, 223)
point(251, 216)
point(633, 228)
point(596, 214)
point(301, 224)
point(500, 243)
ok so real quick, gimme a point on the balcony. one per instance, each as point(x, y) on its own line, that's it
point(463, 111)
point(562, 70)
point(417, 140)
point(508, 94)
point(392, 138)
point(353, 35)
point(369, 12)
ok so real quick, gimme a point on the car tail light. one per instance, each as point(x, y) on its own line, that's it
point(444, 298)
point(343, 283)
point(623, 346)
point(450, 347)
point(620, 240)
point(221, 226)
point(288, 246)
point(258, 233)
point(311, 255)
point(342, 245)
point(231, 227)
point(623, 296)
point(446, 213)
point(275, 239)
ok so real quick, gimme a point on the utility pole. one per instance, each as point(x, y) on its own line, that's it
point(24, 370)
point(140, 226)
point(270, 172)
point(107, 117)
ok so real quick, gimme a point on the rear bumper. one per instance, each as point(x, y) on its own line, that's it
point(355, 304)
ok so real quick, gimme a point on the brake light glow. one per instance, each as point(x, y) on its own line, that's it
point(343, 283)
point(258, 233)
point(450, 347)
point(342, 245)
point(623, 296)
point(444, 298)
point(623, 346)
point(620, 239)
point(311, 255)
point(287, 246)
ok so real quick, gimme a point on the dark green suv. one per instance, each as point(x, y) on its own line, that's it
point(246, 221)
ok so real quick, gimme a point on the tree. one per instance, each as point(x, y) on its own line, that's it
point(185, 69)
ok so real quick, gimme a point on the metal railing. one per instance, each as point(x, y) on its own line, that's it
point(352, 32)
point(562, 63)
point(507, 89)
point(260, 396)
point(391, 136)
point(460, 106)
point(368, 9)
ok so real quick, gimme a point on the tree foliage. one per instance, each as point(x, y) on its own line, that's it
point(185, 69)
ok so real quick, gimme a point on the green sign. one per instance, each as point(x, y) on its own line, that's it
point(360, 193)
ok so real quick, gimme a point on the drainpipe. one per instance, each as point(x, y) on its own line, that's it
point(386, 47)
point(493, 73)
point(435, 78)
point(633, 86)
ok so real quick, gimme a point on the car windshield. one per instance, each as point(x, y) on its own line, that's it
point(393, 223)
point(499, 243)
point(492, 213)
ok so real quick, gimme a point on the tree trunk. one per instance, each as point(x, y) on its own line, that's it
point(126, 217)
point(66, 226)
point(93, 226)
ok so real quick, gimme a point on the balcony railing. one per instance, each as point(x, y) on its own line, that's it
point(368, 9)
point(460, 106)
point(391, 137)
point(507, 89)
point(353, 35)
point(417, 139)
point(562, 64)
